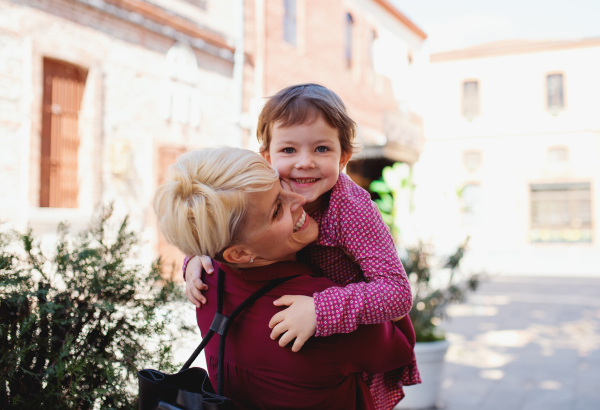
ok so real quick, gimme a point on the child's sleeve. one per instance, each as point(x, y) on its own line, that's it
point(385, 294)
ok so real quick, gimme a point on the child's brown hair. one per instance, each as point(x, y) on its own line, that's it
point(302, 103)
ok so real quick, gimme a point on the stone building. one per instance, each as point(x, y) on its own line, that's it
point(98, 97)
point(512, 156)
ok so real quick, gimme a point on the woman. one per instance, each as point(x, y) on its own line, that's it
point(228, 203)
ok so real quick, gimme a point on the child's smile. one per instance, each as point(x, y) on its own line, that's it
point(309, 157)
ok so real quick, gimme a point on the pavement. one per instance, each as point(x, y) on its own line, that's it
point(525, 343)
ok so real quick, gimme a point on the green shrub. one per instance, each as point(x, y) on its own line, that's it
point(76, 326)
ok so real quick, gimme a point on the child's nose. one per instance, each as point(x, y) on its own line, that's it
point(305, 161)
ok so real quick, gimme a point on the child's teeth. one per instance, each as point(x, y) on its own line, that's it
point(306, 181)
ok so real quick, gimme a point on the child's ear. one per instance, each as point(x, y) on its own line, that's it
point(236, 254)
point(265, 153)
point(344, 160)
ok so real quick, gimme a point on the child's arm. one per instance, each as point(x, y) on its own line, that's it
point(385, 294)
point(192, 270)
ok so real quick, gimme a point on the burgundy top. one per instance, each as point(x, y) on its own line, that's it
point(325, 374)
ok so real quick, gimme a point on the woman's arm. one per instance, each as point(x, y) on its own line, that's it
point(377, 348)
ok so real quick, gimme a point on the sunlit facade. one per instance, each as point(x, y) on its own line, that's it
point(512, 156)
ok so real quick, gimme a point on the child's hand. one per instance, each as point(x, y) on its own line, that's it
point(299, 321)
point(193, 283)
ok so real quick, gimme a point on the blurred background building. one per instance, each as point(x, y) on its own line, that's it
point(98, 97)
point(512, 156)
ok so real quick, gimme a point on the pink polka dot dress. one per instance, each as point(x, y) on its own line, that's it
point(354, 248)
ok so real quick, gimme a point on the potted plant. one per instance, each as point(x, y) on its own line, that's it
point(436, 284)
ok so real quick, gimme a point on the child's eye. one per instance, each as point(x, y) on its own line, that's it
point(289, 150)
point(322, 149)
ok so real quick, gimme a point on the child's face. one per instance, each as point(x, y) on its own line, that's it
point(309, 157)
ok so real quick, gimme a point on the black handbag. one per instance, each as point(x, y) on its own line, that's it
point(190, 388)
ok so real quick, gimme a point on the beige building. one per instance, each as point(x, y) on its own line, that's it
point(512, 156)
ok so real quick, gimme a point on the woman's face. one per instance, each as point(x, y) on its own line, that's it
point(276, 228)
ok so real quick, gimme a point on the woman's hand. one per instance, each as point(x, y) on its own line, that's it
point(193, 283)
point(299, 321)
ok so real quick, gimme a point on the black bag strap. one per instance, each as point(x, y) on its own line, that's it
point(221, 323)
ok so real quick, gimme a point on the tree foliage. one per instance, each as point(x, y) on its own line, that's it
point(77, 325)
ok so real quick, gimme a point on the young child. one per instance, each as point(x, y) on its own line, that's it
point(307, 135)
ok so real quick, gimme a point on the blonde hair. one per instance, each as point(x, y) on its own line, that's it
point(202, 204)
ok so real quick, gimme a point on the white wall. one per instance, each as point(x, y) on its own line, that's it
point(513, 134)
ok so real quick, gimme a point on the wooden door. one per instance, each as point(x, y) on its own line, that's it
point(63, 92)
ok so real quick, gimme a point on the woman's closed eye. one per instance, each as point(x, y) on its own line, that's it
point(277, 212)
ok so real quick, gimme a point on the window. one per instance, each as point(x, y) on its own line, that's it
point(472, 160)
point(561, 213)
point(470, 102)
point(371, 51)
point(180, 96)
point(349, 30)
point(63, 93)
point(470, 197)
point(557, 155)
point(554, 91)
point(289, 21)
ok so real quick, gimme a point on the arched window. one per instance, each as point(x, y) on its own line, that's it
point(180, 97)
point(349, 30)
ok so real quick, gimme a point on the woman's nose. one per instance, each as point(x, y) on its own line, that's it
point(294, 200)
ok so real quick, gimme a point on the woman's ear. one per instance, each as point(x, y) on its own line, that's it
point(344, 160)
point(236, 254)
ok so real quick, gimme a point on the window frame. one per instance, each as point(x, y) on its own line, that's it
point(478, 219)
point(555, 111)
point(530, 223)
point(349, 27)
point(463, 99)
point(287, 20)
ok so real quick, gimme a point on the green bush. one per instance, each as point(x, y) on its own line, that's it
point(76, 326)
point(431, 302)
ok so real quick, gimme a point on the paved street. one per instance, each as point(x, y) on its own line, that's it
point(525, 344)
